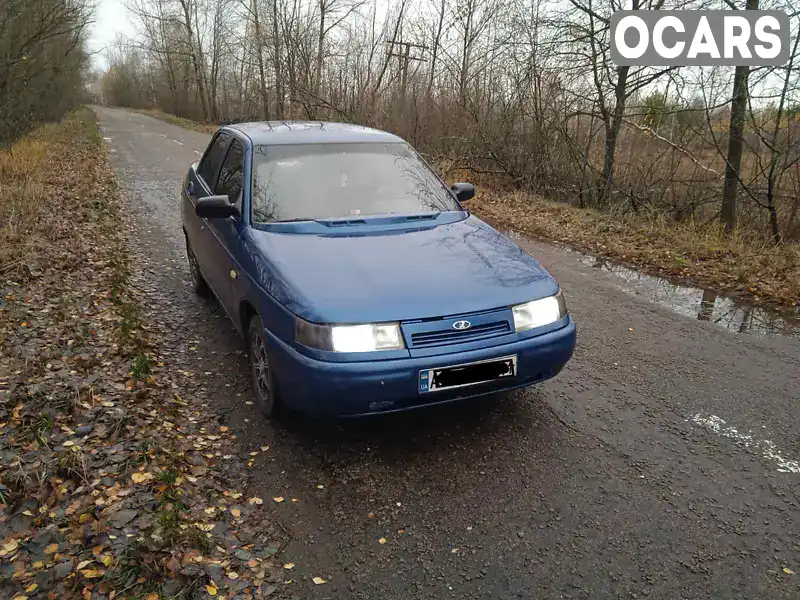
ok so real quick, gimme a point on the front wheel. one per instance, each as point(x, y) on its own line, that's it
point(262, 380)
point(199, 284)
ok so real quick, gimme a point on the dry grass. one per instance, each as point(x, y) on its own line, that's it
point(34, 186)
point(744, 266)
point(179, 121)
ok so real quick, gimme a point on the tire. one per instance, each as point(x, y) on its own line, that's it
point(262, 379)
point(199, 284)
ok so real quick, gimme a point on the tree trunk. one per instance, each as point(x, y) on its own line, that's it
point(730, 189)
point(195, 62)
point(435, 48)
point(317, 85)
point(733, 164)
point(262, 80)
point(277, 61)
point(613, 127)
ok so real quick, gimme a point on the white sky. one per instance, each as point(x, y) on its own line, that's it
point(111, 19)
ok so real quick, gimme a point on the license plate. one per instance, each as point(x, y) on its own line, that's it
point(456, 376)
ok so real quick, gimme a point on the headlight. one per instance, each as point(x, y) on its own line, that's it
point(349, 338)
point(538, 313)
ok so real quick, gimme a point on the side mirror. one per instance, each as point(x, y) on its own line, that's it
point(216, 207)
point(463, 191)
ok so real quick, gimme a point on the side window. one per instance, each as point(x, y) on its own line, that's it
point(230, 175)
point(213, 158)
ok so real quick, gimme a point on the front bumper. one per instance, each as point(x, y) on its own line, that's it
point(362, 388)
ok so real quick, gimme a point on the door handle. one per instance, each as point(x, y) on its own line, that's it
point(190, 187)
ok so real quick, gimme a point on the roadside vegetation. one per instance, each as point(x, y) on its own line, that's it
point(743, 264)
point(115, 482)
point(519, 93)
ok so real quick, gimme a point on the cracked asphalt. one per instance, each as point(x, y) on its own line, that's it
point(661, 463)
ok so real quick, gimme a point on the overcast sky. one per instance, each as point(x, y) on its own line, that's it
point(111, 18)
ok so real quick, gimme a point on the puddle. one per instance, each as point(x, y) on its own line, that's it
point(701, 304)
point(731, 313)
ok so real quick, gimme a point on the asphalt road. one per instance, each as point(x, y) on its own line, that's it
point(661, 463)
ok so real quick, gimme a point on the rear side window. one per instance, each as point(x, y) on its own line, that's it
point(213, 158)
point(230, 175)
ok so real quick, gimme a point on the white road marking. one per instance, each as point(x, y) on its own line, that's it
point(196, 152)
point(177, 142)
point(107, 139)
point(766, 448)
point(163, 135)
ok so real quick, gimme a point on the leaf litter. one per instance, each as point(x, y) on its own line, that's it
point(112, 488)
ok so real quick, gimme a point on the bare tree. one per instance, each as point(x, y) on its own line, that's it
point(519, 91)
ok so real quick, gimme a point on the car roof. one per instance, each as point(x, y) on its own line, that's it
point(311, 132)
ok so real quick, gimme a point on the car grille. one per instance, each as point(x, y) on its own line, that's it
point(443, 337)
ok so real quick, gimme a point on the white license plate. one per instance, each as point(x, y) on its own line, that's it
point(463, 375)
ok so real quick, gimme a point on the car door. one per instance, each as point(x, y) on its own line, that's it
point(227, 232)
point(200, 184)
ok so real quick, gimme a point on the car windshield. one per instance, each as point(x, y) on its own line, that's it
point(350, 180)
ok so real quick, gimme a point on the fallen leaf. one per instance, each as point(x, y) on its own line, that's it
point(10, 546)
point(20, 598)
point(92, 573)
point(212, 591)
point(153, 596)
point(210, 510)
point(232, 575)
point(257, 500)
point(288, 566)
point(51, 549)
point(264, 448)
point(223, 428)
point(31, 588)
point(786, 570)
point(106, 560)
point(320, 486)
point(83, 564)
point(236, 512)
point(382, 540)
point(141, 477)
point(318, 581)
point(278, 499)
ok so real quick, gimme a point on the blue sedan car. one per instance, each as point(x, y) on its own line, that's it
point(357, 278)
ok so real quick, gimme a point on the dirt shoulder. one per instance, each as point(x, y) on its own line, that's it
point(118, 480)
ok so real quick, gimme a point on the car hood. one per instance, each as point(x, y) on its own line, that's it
point(392, 274)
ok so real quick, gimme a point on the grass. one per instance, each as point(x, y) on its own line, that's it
point(142, 367)
point(27, 226)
